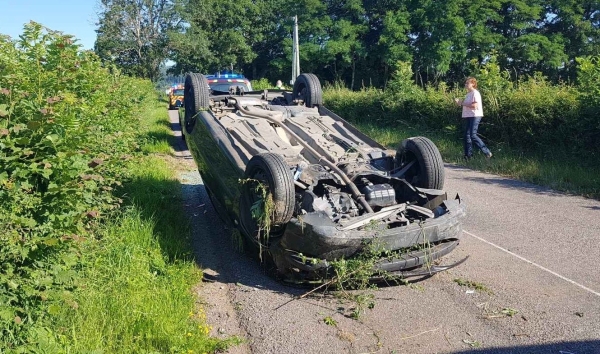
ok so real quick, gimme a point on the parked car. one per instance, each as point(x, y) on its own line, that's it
point(308, 188)
point(176, 97)
point(228, 81)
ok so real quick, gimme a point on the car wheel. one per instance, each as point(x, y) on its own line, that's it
point(195, 98)
point(428, 169)
point(308, 88)
point(270, 171)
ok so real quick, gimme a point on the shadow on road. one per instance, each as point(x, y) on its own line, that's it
point(506, 182)
point(216, 248)
point(575, 347)
point(177, 141)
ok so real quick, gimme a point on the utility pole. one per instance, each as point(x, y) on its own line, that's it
point(295, 53)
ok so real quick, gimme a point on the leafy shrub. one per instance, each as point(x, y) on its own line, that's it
point(589, 80)
point(531, 114)
point(588, 124)
point(262, 84)
point(66, 126)
point(536, 114)
point(361, 106)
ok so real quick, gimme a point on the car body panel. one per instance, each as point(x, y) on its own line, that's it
point(219, 169)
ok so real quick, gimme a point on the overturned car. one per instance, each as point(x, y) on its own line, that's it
point(308, 188)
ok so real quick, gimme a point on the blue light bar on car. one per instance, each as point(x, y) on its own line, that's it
point(218, 75)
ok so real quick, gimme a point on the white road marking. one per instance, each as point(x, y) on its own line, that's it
point(534, 264)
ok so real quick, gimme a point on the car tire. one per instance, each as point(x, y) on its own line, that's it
point(428, 172)
point(271, 170)
point(308, 88)
point(195, 98)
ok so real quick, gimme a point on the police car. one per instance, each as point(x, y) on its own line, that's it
point(225, 82)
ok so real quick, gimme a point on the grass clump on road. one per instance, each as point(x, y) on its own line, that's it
point(473, 285)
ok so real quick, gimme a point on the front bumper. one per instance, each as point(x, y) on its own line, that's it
point(307, 246)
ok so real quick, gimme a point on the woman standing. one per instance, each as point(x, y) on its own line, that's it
point(472, 112)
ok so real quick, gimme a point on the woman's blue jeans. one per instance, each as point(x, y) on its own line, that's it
point(471, 124)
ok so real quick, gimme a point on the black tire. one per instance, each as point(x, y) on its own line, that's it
point(195, 98)
point(428, 171)
point(307, 87)
point(271, 170)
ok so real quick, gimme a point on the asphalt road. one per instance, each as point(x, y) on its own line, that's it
point(533, 252)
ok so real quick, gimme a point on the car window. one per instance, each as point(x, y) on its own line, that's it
point(178, 92)
point(225, 87)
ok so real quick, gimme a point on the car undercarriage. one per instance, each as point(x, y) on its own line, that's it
point(312, 189)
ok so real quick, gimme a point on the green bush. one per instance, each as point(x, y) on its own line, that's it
point(262, 84)
point(536, 115)
point(66, 127)
point(530, 115)
point(361, 106)
point(588, 122)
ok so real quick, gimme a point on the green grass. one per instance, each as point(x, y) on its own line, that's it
point(473, 285)
point(553, 169)
point(158, 138)
point(135, 294)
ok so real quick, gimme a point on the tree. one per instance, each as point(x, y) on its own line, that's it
point(394, 39)
point(360, 40)
point(577, 23)
point(525, 47)
point(215, 36)
point(268, 36)
point(134, 34)
point(438, 36)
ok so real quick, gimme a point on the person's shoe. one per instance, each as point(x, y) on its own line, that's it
point(489, 155)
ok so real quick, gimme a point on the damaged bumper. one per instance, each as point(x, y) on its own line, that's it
point(309, 244)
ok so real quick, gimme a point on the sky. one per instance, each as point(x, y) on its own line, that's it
point(75, 17)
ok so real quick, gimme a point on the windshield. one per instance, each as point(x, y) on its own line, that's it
point(178, 92)
point(225, 87)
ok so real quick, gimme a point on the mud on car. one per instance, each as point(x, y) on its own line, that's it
point(308, 188)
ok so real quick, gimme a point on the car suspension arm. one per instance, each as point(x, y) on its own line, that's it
point(355, 192)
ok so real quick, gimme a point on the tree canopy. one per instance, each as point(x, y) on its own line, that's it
point(357, 41)
point(134, 34)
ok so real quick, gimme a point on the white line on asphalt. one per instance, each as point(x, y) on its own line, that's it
point(534, 264)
